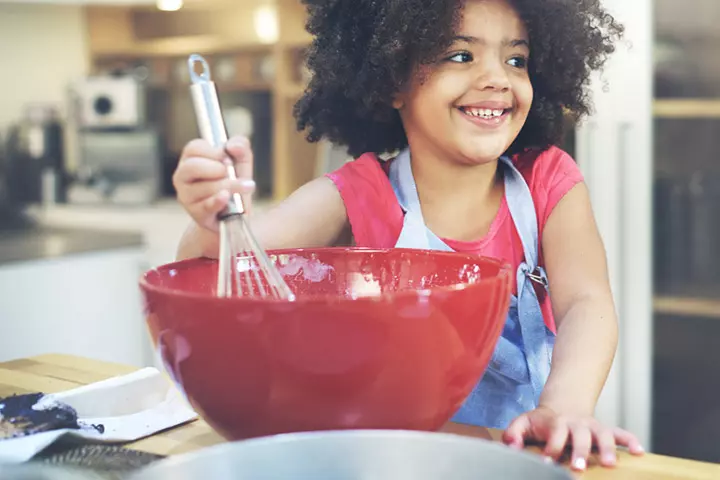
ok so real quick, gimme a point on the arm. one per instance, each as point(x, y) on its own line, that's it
point(586, 340)
point(583, 306)
point(314, 215)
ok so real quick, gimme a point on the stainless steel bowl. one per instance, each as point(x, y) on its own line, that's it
point(357, 455)
point(37, 471)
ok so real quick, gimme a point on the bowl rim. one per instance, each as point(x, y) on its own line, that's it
point(504, 272)
point(313, 438)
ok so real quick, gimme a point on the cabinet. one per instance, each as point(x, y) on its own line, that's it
point(686, 236)
point(255, 50)
point(84, 304)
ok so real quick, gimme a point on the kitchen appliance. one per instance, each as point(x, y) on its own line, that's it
point(118, 167)
point(357, 455)
point(35, 158)
point(109, 102)
point(391, 338)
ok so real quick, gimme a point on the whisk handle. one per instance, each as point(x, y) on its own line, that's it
point(210, 121)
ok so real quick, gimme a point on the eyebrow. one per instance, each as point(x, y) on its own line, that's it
point(510, 43)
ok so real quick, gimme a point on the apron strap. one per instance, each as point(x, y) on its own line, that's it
point(522, 209)
point(535, 336)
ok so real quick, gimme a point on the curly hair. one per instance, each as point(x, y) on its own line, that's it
point(364, 51)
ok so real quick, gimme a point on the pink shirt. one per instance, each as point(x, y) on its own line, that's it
point(376, 218)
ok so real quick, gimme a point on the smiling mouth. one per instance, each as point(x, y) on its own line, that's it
point(485, 113)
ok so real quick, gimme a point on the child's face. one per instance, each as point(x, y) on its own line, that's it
point(471, 104)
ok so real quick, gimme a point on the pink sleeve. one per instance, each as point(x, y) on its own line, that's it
point(373, 212)
point(554, 174)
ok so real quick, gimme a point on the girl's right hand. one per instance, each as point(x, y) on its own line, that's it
point(202, 183)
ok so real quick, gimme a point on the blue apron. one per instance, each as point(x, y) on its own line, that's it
point(520, 364)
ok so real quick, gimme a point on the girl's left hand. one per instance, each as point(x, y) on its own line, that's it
point(557, 431)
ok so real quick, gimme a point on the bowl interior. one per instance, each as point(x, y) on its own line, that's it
point(337, 272)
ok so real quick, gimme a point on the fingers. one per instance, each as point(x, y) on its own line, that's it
point(212, 205)
point(582, 439)
point(627, 439)
point(202, 149)
point(198, 169)
point(585, 434)
point(557, 440)
point(516, 432)
point(606, 447)
point(202, 190)
point(576, 434)
point(240, 151)
point(200, 161)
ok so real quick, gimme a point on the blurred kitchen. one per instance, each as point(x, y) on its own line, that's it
point(95, 108)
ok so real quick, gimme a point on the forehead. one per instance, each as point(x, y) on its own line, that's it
point(491, 19)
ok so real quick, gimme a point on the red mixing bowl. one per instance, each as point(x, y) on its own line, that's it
point(383, 339)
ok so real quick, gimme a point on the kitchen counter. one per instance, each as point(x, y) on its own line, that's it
point(41, 243)
point(73, 290)
point(53, 373)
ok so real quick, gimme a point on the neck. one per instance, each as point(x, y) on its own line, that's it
point(441, 181)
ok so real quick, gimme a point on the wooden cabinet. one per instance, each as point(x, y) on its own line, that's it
point(687, 174)
point(686, 239)
point(243, 59)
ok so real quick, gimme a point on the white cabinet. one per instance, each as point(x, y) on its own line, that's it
point(85, 304)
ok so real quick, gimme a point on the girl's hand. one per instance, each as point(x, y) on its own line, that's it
point(578, 432)
point(202, 183)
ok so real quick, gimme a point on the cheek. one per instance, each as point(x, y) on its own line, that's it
point(438, 92)
point(524, 94)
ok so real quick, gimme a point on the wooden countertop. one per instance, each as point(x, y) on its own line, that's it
point(54, 373)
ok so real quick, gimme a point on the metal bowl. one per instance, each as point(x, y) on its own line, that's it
point(357, 455)
point(37, 471)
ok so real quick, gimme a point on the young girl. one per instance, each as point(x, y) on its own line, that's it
point(471, 95)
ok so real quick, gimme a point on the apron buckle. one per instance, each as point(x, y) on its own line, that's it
point(537, 277)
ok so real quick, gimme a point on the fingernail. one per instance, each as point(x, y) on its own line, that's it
point(579, 464)
point(609, 458)
point(247, 183)
point(547, 459)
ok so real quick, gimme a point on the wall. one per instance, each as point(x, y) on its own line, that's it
point(44, 47)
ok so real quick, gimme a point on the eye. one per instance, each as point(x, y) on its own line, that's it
point(462, 57)
point(518, 62)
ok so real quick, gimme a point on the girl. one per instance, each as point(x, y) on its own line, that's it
point(471, 96)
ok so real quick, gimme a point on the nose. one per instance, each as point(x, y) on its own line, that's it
point(492, 75)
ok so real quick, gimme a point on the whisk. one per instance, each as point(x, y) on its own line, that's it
point(244, 268)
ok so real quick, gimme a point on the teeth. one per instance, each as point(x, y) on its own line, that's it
point(483, 112)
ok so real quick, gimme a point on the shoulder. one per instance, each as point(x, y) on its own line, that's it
point(367, 168)
point(372, 208)
point(550, 174)
point(547, 167)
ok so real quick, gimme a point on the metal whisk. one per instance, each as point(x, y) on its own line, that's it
point(243, 266)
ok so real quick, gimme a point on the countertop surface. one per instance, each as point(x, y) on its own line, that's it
point(40, 243)
point(53, 373)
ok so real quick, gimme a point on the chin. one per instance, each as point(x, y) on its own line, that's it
point(481, 156)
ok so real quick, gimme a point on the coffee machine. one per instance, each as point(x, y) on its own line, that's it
point(119, 158)
point(35, 170)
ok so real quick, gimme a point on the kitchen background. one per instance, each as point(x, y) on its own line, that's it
point(95, 109)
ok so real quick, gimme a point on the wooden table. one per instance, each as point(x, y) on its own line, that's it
point(54, 373)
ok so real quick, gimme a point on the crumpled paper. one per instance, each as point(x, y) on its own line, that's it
point(129, 407)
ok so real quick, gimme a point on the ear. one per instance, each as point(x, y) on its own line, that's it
point(398, 102)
